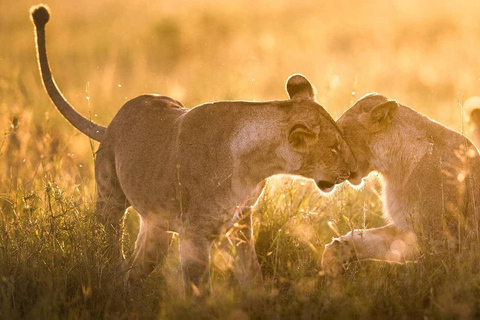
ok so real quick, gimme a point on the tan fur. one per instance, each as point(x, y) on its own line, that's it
point(431, 196)
point(196, 171)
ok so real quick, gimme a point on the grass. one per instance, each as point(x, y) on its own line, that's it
point(53, 261)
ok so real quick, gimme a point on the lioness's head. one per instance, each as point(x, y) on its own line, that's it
point(315, 138)
point(367, 120)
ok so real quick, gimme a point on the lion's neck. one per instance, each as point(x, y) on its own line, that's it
point(396, 155)
point(255, 155)
point(399, 150)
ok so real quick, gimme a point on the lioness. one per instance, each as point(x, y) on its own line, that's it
point(431, 196)
point(193, 171)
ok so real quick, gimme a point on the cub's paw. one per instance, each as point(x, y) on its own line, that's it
point(336, 256)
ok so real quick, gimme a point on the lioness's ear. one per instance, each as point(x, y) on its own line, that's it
point(384, 112)
point(300, 137)
point(299, 87)
point(475, 117)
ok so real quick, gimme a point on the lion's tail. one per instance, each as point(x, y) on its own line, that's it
point(40, 15)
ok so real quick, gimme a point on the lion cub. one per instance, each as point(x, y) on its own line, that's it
point(195, 171)
point(431, 197)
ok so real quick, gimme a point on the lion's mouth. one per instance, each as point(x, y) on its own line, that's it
point(325, 186)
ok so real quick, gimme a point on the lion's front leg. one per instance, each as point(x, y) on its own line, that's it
point(385, 243)
point(239, 245)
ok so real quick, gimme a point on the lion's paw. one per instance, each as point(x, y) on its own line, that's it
point(336, 256)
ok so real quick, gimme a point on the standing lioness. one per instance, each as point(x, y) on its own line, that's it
point(431, 194)
point(192, 171)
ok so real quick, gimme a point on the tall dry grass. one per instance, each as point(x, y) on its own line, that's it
point(52, 251)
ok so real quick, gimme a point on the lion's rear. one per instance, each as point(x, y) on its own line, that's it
point(142, 139)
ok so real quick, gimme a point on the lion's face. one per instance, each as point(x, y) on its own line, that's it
point(334, 159)
point(327, 159)
point(316, 139)
point(368, 118)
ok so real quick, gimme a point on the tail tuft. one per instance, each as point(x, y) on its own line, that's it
point(40, 15)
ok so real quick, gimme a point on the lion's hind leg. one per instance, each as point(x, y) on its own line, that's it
point(111, 201)
point(238, 247)
point(151, 247)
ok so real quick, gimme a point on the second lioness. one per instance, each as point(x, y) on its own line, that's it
point(192, 171)
point(431, 191)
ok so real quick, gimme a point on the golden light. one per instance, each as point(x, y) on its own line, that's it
point(471, 153)
point(333, 227)
point(393, 255)
point(471, 103)
point(410, 238)
point(398, 245)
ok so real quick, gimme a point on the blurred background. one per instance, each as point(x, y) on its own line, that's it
point(425, 54)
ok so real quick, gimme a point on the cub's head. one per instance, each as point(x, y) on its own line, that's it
point(367, 120)
point(314, 141)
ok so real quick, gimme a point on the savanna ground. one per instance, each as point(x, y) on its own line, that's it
point(52, 251)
